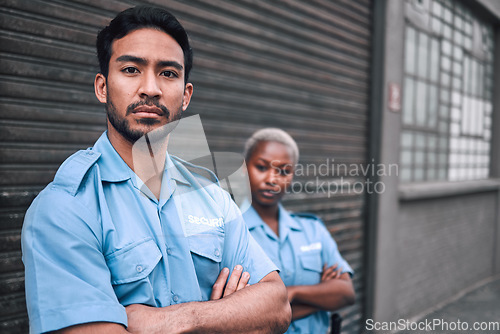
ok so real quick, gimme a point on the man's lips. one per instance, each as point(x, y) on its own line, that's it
point(148, 111)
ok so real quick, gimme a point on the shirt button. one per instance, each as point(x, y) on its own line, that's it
point(217, 253)
point(139, 268)
point(176, 298)
point(169, 251)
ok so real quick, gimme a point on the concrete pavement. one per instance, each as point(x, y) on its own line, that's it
point(477, 308)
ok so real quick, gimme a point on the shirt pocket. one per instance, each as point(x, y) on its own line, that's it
point(310, 268)
point(206, 252)
point(130, 268)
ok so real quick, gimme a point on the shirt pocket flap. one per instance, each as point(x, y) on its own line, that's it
point(311, 261)
point(207, 245)
point(133, 262)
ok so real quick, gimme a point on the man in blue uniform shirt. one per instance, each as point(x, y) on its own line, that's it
point(107, 251)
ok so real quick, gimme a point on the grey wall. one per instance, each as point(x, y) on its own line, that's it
point(384, 220)
point(443, 245)
point(427, 241)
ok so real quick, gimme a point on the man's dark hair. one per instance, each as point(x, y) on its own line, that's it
point(142, 17)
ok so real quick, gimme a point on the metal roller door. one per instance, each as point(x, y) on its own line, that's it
point(299, 65)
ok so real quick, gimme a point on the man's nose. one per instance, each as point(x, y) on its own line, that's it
point(150, 86)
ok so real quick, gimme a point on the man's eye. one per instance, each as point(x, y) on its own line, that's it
point(130, 70)
point(169, 74)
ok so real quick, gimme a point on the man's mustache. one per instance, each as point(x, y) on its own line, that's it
point(148, 102)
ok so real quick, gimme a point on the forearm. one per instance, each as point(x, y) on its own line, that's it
point(300, 310)
point(259, 308)
point(328, 295)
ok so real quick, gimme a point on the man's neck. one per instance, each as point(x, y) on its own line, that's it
point(122, 147)
point(145, 158)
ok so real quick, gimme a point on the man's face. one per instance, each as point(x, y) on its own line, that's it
point(145, 86)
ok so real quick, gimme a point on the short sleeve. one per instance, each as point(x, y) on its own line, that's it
point(330, 251)
point(67, 279)
point(241, 248)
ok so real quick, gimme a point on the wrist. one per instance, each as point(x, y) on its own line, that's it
point(291, 293)
point(187, 318)
point(181, 317)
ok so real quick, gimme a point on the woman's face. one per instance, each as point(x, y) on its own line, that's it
point(270, 170)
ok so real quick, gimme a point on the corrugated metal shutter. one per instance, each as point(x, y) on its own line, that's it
point(301, 66)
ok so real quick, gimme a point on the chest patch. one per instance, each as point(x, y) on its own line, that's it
point(311, 247)
point(212, 222)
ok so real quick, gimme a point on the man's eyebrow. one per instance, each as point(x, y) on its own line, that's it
point(133, 59)
point(168, 63)
point(142, 61)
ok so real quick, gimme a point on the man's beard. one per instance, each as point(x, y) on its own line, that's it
point(122, 125)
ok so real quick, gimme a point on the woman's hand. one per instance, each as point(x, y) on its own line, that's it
point(330, 272)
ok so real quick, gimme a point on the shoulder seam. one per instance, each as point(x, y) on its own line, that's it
point(71, 173)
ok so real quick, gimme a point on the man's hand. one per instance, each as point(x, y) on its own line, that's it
point(330, 272)
point(238, 280)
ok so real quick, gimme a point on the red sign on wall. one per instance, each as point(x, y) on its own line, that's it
point(394, 97)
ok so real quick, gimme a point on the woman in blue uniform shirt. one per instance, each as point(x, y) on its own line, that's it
point(318, 279)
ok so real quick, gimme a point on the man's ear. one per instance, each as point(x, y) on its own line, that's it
point(100, 88)
point(188, 92)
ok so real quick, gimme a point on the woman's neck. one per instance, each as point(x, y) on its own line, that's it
point(270, 215)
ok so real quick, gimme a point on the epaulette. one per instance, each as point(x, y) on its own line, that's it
point(306, 215)
point(70, 174)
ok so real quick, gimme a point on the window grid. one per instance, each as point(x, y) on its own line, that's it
point(447, 93)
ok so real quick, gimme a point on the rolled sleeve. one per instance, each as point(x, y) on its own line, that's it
point(241, 248)
point(331, 254)
point(67, 279)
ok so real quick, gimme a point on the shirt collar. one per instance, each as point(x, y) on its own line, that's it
point(172, 166)
point(286, 220)
point(167, 187)
point(253, 219)
point(114, 169)
point(111, 165)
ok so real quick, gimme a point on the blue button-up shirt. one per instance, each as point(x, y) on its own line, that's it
point(96, 240)
point(304, 245)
